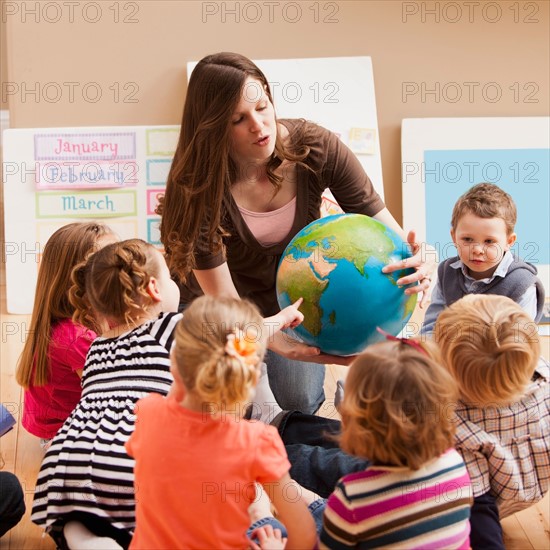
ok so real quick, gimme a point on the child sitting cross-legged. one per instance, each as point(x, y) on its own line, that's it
point(415, 492)
point(198, 462)
point(491, 347)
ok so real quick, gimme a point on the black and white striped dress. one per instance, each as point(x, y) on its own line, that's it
point(86, 469)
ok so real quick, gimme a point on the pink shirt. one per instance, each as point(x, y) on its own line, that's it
point(272, 227)
point(47, 407)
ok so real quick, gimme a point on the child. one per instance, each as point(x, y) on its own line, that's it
point(197, 460)
point(53, 356)
point(397, 413)
point(84, 493)
point(482, 229)
point(491, 348)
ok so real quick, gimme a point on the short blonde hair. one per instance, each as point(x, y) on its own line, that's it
point(490, 346)
point(486, 200)
point(205, 367)
point(398, 406)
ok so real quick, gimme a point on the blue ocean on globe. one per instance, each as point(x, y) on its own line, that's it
point(335, 264)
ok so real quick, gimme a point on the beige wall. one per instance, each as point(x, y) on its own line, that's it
point(144, 56)
point(3, 57)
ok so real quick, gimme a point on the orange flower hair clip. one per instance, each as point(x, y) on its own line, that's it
point(240, 348)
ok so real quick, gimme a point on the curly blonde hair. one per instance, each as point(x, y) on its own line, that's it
point(200, 349)
point(398, 407)
point(490, 346)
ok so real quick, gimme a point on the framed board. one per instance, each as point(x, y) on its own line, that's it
point(443, 157)
point(55, 176)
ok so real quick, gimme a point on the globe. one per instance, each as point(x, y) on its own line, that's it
point(335, 265)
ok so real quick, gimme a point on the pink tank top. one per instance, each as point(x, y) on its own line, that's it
point(270, 228)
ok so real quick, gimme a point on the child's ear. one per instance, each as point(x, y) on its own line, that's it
point(153, 290)
point(453, 236)
point(511, 239)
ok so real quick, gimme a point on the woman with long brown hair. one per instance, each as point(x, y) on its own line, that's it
point(241, 185)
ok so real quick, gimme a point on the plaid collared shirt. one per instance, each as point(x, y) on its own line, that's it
point(507, 449)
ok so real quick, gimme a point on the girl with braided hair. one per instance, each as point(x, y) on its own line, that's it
point(85, 495)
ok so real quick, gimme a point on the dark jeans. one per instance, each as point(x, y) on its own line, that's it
point(316, 509)
point(295, 384)
point(317, 463)
point(12, 502)
point(486, 531)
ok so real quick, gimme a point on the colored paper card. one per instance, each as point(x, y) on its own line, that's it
point(157, 171)
point(153, 199)
point(80, 146)
point(85, 204)
point(161, 142)
point(153, 231)
point(362, 141)
point(73, 174)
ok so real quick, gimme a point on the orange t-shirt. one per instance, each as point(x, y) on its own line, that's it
point(194, 474)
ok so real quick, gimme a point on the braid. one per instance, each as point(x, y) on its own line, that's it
point(128, 270)
point(113, 281)
point(83, 313)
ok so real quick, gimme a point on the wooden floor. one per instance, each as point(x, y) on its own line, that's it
point(21, 452)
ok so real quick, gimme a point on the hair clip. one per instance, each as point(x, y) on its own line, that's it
point(240, 348)
point(406, 341)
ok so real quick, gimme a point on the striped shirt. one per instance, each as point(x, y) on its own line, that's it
point(507, 448)
point(385, 507)
point(87, 469)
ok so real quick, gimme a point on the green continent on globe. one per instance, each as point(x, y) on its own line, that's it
point(410, 304)
point(301, 281)
point(357, 248)
point(335, 264)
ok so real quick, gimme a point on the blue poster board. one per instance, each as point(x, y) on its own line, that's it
point(444, 157)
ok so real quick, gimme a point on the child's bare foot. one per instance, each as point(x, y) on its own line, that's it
point(79, 538)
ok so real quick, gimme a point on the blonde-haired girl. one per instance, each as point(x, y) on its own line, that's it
point(197, 460)
point(50, 366)
point(84, 493)
point(398, 413)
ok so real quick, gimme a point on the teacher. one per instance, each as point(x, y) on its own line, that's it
point(241, 185)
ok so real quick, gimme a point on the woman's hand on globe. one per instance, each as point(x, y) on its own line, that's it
point(424, 264)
